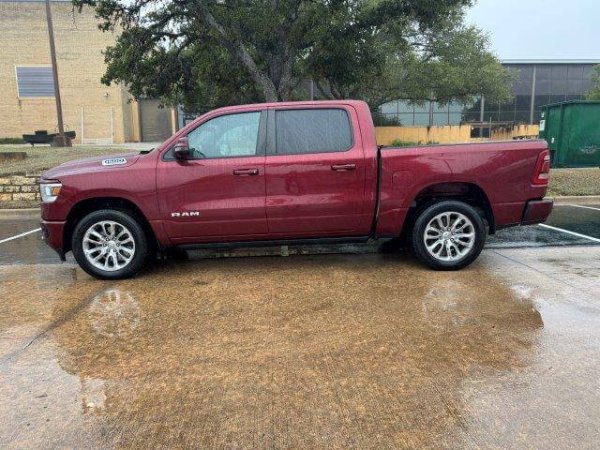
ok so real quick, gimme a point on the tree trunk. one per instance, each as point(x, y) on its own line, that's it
point(267, 87)
point(238, 48)
point(284, 88)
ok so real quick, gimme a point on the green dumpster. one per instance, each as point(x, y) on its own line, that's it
point(572, 130)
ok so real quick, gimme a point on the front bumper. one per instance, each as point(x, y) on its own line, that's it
point(537, 211)
point(52, 234)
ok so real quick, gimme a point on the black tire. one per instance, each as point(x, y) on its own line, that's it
point(417, 236)
point(141, 253)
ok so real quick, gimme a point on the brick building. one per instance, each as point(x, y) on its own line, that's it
point(97, 113)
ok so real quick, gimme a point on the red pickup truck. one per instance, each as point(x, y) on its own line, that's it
point(284, 173)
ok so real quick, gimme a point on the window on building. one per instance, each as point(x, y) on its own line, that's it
point(312, 131)
point(35, 81)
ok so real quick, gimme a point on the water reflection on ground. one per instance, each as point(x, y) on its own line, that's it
point(337, 351)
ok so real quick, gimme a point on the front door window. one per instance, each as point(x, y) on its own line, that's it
point(233, 135)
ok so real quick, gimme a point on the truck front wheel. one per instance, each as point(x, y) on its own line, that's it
point(110, 244)
point(448, 235)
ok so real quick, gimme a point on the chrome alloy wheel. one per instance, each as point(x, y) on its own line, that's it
point(449, 236)
point(108, 245)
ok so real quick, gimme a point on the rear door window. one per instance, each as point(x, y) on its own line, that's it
point(300, 131)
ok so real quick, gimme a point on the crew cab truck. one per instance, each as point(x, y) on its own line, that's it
point(282, 173)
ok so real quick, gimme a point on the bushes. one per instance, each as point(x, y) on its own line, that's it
point(400, 143)
point(381, 120)
point(9, 140)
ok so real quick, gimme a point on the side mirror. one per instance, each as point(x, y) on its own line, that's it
point(182, 149)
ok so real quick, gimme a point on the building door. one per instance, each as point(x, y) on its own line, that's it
point(155, 122)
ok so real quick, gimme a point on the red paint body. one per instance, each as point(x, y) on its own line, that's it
point(300, 196)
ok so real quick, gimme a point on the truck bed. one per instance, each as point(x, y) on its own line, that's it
point(503, 171)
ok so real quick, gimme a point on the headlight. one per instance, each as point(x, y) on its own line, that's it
point(50, 191)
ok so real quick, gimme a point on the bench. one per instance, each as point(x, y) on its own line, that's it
point(43, 137)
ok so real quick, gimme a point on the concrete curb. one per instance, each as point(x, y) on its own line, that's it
point(21, 213)
point(578, 200)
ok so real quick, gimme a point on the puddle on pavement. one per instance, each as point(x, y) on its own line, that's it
point(532, 236)
point(366, 351)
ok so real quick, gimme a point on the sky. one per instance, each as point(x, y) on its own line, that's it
point(540, 29)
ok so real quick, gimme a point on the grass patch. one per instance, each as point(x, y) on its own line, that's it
point(45, 157)
point(574, 182)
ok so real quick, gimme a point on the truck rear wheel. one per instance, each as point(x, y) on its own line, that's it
point(448, 235)
point(110, 244)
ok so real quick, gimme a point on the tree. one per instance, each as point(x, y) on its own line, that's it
point(199, 77)
point(594, 92)
point(215, 52)
point(449, 63)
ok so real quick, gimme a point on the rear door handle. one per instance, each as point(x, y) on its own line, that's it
point(343, 167)
point(245, 172)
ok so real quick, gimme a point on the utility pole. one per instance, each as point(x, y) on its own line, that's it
point(430, 113)
point(61, 140)
point(532, 106)
point(482, 108)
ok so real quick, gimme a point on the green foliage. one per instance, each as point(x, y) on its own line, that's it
point(448, 63)
point(11, 140)
point(594, 92)
point(208, 53)
point(199, 77)
point(381, 120)
point(401, 143)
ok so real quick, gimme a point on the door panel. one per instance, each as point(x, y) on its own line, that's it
point(315, 193)
point(155, 122)
point(218, 196)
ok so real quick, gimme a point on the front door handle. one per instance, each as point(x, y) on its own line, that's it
point(245, 172)
point(343, 167)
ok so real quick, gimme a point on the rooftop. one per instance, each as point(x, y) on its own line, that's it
point(550, 61)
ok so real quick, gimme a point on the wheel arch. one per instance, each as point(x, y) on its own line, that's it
point(470, 193)
point(86, 206)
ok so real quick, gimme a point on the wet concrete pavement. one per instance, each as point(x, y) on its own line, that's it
point(368, 351)
point(314, 351)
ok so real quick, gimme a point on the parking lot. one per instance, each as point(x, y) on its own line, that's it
point(345, 347)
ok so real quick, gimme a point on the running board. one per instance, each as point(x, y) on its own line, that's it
point(272, 243)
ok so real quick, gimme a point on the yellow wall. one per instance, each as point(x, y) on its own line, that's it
point(521, 130)
point(446, 134)
point(101, 112)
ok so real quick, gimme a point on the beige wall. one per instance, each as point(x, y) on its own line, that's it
point(100, 112)
point(447, 134)
point(518, 131)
